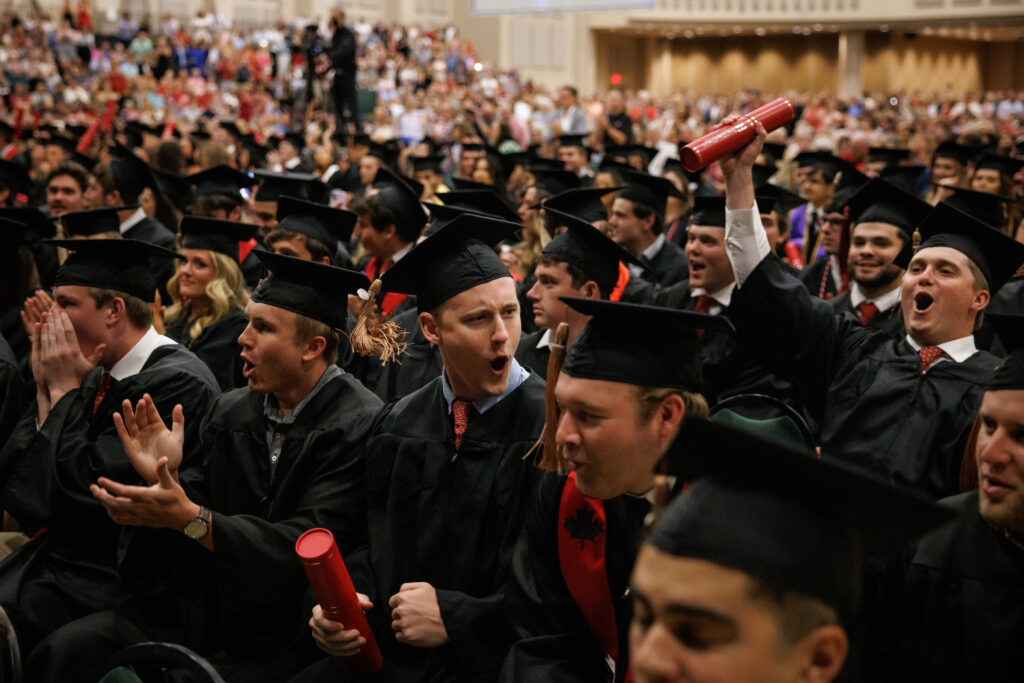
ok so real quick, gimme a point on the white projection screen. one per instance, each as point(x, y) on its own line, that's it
point(483, 7)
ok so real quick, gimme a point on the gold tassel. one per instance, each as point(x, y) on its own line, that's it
point(551, 457)
point(916, 240)
point(373, 337)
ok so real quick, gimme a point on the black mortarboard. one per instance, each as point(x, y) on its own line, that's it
point(6, 129)
point(1009, 327)
point(761, 173)
point(467, 184)
point(585, 247)
point(648, 190)
point(131, 176)
point(257, 152)
point(38, 223)
point(12, 234)
point(360, 140)
point(878, 201)
point(778, 513)
point(68, 144)
point(174, 187)
point(272, 185)
point(512, 159)
point(93, 221)
point(774, 151)
point(484, 201)
point(222, 181)
point(710, 211)
point(431, 163)
point(120, 265)
point(887, 155)
point(215, 235)
point(456, 258)
point(673, 165)
point(903, 177)
point(832, 166)
point(15, 176)
point(294, 139)
point(997, 256)
point(200, 135)
point(626, 343)
point(1006, 165)
point(574, 140)
point(77, 130)
point(584, 203)
point(310, 289)
point(555, 181)
point(441, 215)
point(611, 166)
point(986, 207)
point(232, 129)
point(545, 164)
point(402, 195)
point(955, 151)
point(321, 222)
point(382, 152)
point(627, 151)
point(774, 198)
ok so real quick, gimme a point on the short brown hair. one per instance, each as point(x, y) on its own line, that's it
point(650, 398)
point(796, 614)
point(139, 313)
point(308, 328)
point(316, 248)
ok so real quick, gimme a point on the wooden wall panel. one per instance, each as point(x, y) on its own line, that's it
point(929, 65)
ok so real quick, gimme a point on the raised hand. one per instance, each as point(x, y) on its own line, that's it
point(158, 313)
point(35, 306)
point(62, 363)
point(744, 157)
point(164, 504)
point(147, 440)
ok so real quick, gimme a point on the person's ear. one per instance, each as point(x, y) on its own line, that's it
point(590, 290)
point(981, 299)
point(314, 348)
point(429, 325)
point(821, 653)
point(671, 413)
point(116, 310)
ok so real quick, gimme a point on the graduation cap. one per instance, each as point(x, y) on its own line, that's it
point(441, 215)
point(835, 170)
point(483, 201)
point(431, 163)
point(474, 147)
point(456, 258)
point(1007, 166)
point(887, 155)
point(322, 223)
point(574, 140)
point(200, 135)
point(626, 343)
point(555, 181)
point(6, 129)
point(761, 173)
point(583, 203)
point(585, 247)
point(120, 265)
point(271, 186)
point(402, 195)
point(174, 187)
point(467, 184)
point(986, 207)
point(222, 181)
point(39, 225)
point(12, 234)
point(710, 211)
point(231, 128)
point(93, 221)
point(952, 150)
point(257, 152)
point(15, 176)
point(381, 151)
point(778, 513)
point(996, 255)
point(215, 235)
point(131, 176)
point(904, 177)
point(628, 151)
point(774, 151)
point(308, 288)
point(294, 139)
point(68, 144)
point(648, 190)
point(774, 198)
point(1009, 327)
point(879, 201)
point(544, 164)
point(616, 168)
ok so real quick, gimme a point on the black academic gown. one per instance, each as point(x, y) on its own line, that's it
point(68, 569)
point(15, 393)
point(554, 641)
point(876, 408)
point(252, 270)
point(449, 519)
point(813, 275)
point(668, 265)
point(890, 321)
point(525, 305)
point(13, 331)
point(419, 365)
point(153, 231)
point(217, 346)
point(533, 358)
point(952, 609)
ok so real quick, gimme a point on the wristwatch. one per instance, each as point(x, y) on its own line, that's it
point(197, 528)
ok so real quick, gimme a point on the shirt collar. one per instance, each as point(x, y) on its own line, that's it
point(545, 340)
point(397, 256)
point(517, 374)
point(272, 411)
point(292, 163)
point(958, 349)
point(131, 363)
point(722, 297)
point(133, 220)
point(884, 302)
point(650, 252)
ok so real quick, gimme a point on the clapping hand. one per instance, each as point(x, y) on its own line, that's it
point(147, 440)
point(61, 362)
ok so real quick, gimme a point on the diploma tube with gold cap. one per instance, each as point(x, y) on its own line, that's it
point(333, 589)
point(727, 139)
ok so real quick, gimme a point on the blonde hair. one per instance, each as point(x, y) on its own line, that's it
point(226, 291)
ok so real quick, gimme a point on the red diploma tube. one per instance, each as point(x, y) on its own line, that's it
point(86, 140)
point(19, 119)
point(36, 113)
point(108, 115)
point(728, 139)
point(793, 255)
point(168, 133)
point(333, 589)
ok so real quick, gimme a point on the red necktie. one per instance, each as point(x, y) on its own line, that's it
point(460, 409)
point(867, 311)
point(101, 391)
point(704, 304)
point(929, 354)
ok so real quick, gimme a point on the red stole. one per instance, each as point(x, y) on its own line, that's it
point(582, 535)
point(245, 248)
point(391, 300)
point(620, 285)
